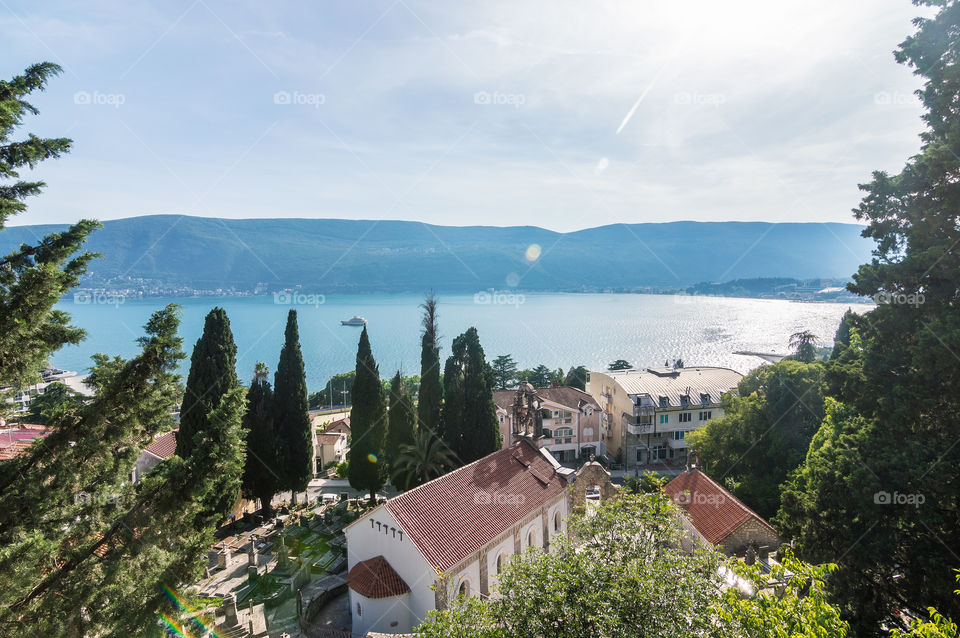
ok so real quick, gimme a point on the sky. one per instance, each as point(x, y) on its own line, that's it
point(557, 113)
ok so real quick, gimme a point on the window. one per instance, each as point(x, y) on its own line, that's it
point(562, 432)
point(587, 433)
point(556, 522)
point(556, 413)
point(705, 416)
point(569, 439)
point(358, 609)
point(664, 418)
point(464, 589)
point(679, 435)
point(500, 563)
point(531, 539)
point(639, 455)
point(685, 417)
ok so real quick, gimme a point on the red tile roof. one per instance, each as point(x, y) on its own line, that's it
point(453, 516)
point(340, 425)
point(564, 395)
point(375, 578)
point(328, 439)
point(164, 445)
point(15, 440)
point(713, 511)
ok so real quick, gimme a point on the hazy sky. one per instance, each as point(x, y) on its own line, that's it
point(559, 113)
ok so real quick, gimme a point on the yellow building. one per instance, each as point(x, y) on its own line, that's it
point(648, 412)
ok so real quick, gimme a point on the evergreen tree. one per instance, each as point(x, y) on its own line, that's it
point(576, 378)
point(213, 373)
point(504, 372)
point(34, 276)
point(367, 423)
point(470, 415)
point(56, 398)
point(878, 491)
point(401, 421)
point(804, 346)
point(105, 571)
point(261, 471)
point(430, 396)
point(622, 364)
point(842, 338)
point(290, 413)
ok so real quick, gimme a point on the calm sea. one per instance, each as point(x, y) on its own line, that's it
point(558, 330)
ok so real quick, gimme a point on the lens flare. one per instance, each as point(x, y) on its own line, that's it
point(513, 280)
point(533, 253)
point(372, 457)
point(180, 604)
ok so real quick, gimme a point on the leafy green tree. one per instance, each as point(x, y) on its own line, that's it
point(426, 458)
point(367, 423)
point(576, 377)
point(607, 579)
point(504, 372)
point(804, 345)
point(335, 392)
point(88, 553)
point(56, 399)
point(213, 373)
point(291, 420)
point(430, 397)
point(619, 364)
point(890, 438)
point(261, 477)
point(764, 433)
point(470, 415)
point(35, 276)
point(401, 421)
point(938, 626)
point(842, 338)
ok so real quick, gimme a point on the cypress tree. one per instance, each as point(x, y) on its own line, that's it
point(430, 393)
point(212, 374)
point(470, 415)
point(401, 421)
point(260, 476)
point(291, 418)
point(367, 422)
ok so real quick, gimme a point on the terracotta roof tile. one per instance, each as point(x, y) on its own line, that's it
point(375, 578)
point(453, 516)
point(164, 445)
point(564, 395)
point(15, 440)
point(713, 511)
point(327, 439)
point(340, 425)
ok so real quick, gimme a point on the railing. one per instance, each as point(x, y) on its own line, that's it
point(643, 410)
point(636, 428)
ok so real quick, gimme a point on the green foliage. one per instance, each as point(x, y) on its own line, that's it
point(646, 483)
point(103, 573)
point(541, 376)
point(260, 476)
point(504, 372)
point(430, 396)
point(368, 417)
point(842, 337)
point(938, 626)
point(619, 364)
point(401, 421)
point(339, 386)
point(470, 422)
point(56, 399)
point(213, 373)
point(892, 430)
point(426, 458)
point(35, 275)
point(291, 421)
point(804, 345)
point(576, 377)
point(622, 573)
point(764, 433)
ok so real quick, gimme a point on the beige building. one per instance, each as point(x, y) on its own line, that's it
point(571, 422)
point(647, 413)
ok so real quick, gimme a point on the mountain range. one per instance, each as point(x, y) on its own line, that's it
point(343, 256)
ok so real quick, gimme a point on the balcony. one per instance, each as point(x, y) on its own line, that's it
point(678, 445)
point(643, 410)
point(637, 429)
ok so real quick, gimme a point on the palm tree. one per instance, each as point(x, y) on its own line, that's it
point(426, 459)
point(804, 345)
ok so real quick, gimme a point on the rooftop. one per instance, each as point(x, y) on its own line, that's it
point(455, 515)
point(564, 395)
point(674, 383)
point(375, 578)
point(164, 445)
point(715, 512)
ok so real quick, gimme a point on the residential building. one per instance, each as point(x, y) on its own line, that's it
point(648, 413)
point(161, 448)
point(15, 439)
point(571, 422)
point(331, 444)
point(462, 525)
point(718, 517)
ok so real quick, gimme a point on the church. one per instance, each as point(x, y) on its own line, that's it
point(451, 536)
